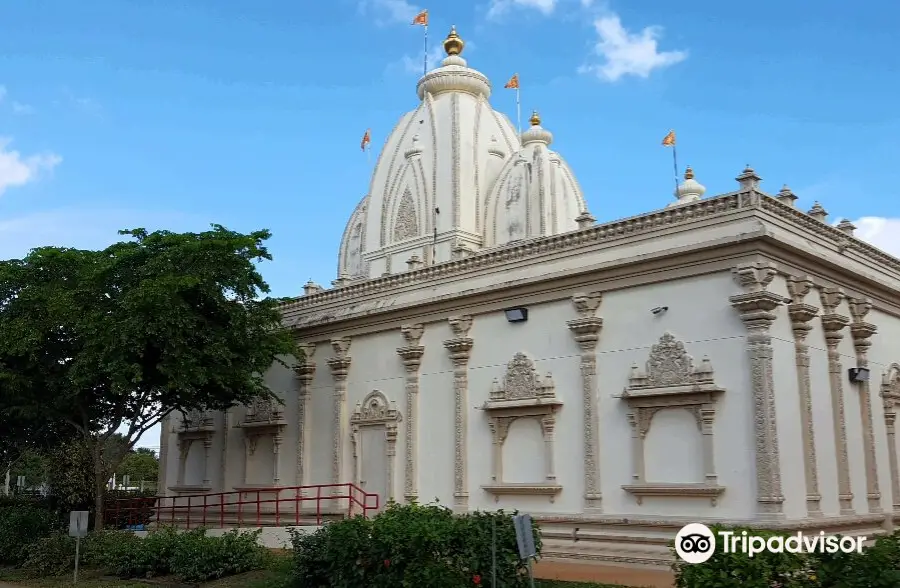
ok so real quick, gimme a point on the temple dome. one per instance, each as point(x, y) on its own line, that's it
point(536, 193)
point(690, 190)
point(441, 183)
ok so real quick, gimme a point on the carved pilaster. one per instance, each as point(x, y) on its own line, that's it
point(861, 331)
point(411, 355)
point(755, 306)
point(833, 323)
point(460, 348)
point(801, 314)
point(890, 395)
point(306, 372)
point(340, 367)
point(162, 481)
point(207, 445)
point(586, 330)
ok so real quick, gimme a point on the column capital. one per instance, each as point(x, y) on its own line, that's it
point(459, 349)
point(460, 325)
point(412, 357)
point(412, 334)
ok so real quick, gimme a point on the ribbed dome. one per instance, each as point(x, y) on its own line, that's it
point(454, 177)
point(690, 190)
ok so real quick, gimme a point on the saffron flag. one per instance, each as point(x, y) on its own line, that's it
point(421, 19)
point(513, 82)
point(669, 140)
point(367, 138)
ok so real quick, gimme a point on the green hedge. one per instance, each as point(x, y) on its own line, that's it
point(191, 556)
point(21, 525)
point(410, 545)
point(878, 566)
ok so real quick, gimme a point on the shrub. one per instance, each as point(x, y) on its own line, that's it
point(763, 570)
point(878, 566)
point(50, 556)
point(20, 526)
point(198, 557)
point(410, 545)
point(124, 554)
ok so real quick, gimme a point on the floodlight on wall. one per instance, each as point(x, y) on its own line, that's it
point(516, 315)
point(858, 374)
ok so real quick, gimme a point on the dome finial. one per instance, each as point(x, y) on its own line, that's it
point(688, 173)
point(454, 44)
point(535, 118)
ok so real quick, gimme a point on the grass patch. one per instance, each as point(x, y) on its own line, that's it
point(274, 576)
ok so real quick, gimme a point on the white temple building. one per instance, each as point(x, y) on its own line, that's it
point(488, 345)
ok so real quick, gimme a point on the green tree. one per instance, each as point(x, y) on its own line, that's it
point(120, 338)
point(139, 465)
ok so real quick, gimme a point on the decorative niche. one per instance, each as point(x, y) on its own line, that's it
point(264, 417)
point(523, 393)
point(196, 425)
point(671, 382)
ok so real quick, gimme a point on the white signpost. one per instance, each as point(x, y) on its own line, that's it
point(78, 528)
point(525, 541)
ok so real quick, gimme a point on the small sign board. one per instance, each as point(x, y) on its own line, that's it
point(78, 523)
point(20, 481)
point(524, 536)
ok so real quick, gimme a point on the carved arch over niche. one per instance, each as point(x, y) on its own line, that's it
point(196, 425)
point(376, 411)
point(406, 222)
point(264, 418)
point(670, 381)
point(524, 393)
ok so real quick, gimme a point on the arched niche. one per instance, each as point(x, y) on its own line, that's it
point(195, 435)
point(373, 429)
point(522, 394)
point(671, 382)
point(263, 420)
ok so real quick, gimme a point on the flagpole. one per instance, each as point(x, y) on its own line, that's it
point(425, 58)
point(518, 111)
point(675, 164)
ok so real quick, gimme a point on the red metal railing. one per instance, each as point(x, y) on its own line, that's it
point(257, 507)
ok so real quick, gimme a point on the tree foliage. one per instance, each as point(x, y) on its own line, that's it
point(139, 465)
point(119, 338)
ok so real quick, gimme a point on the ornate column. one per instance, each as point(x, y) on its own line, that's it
point(548, 425)
point(223, 465)
point(411, 355)
point(207, 445)
point(276, 459)
point(890, 395)
point(250, 440)
point(861, 331)
point(340, 367)
point(586, 329)
point(833, 323)
point(162, 481)
point(184, 447)
point(755, 306)
point(460, 348)
point(801, 314)
point(306, 372)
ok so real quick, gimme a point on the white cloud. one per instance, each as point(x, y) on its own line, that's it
point(546, 7)
point(16, 170)
point(881, 232)
point(624, 53)
point(21, 108)
point(415, 65)
point(390, 11)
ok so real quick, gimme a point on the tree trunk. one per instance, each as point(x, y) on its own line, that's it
point(99, 487)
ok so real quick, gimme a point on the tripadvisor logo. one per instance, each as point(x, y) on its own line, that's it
point(695, 543)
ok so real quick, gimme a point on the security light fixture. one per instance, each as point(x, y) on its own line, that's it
point(516, 315)
point(858, 374)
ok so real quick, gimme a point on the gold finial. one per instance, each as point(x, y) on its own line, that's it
point(453, 44)
point(688, 173)
point(535, 118)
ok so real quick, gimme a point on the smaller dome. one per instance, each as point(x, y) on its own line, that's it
point(689, 190)
point(536, 134)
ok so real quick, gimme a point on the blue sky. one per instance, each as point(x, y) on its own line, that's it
point(124, 113)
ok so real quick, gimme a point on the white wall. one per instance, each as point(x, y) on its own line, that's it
point(699, 314)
